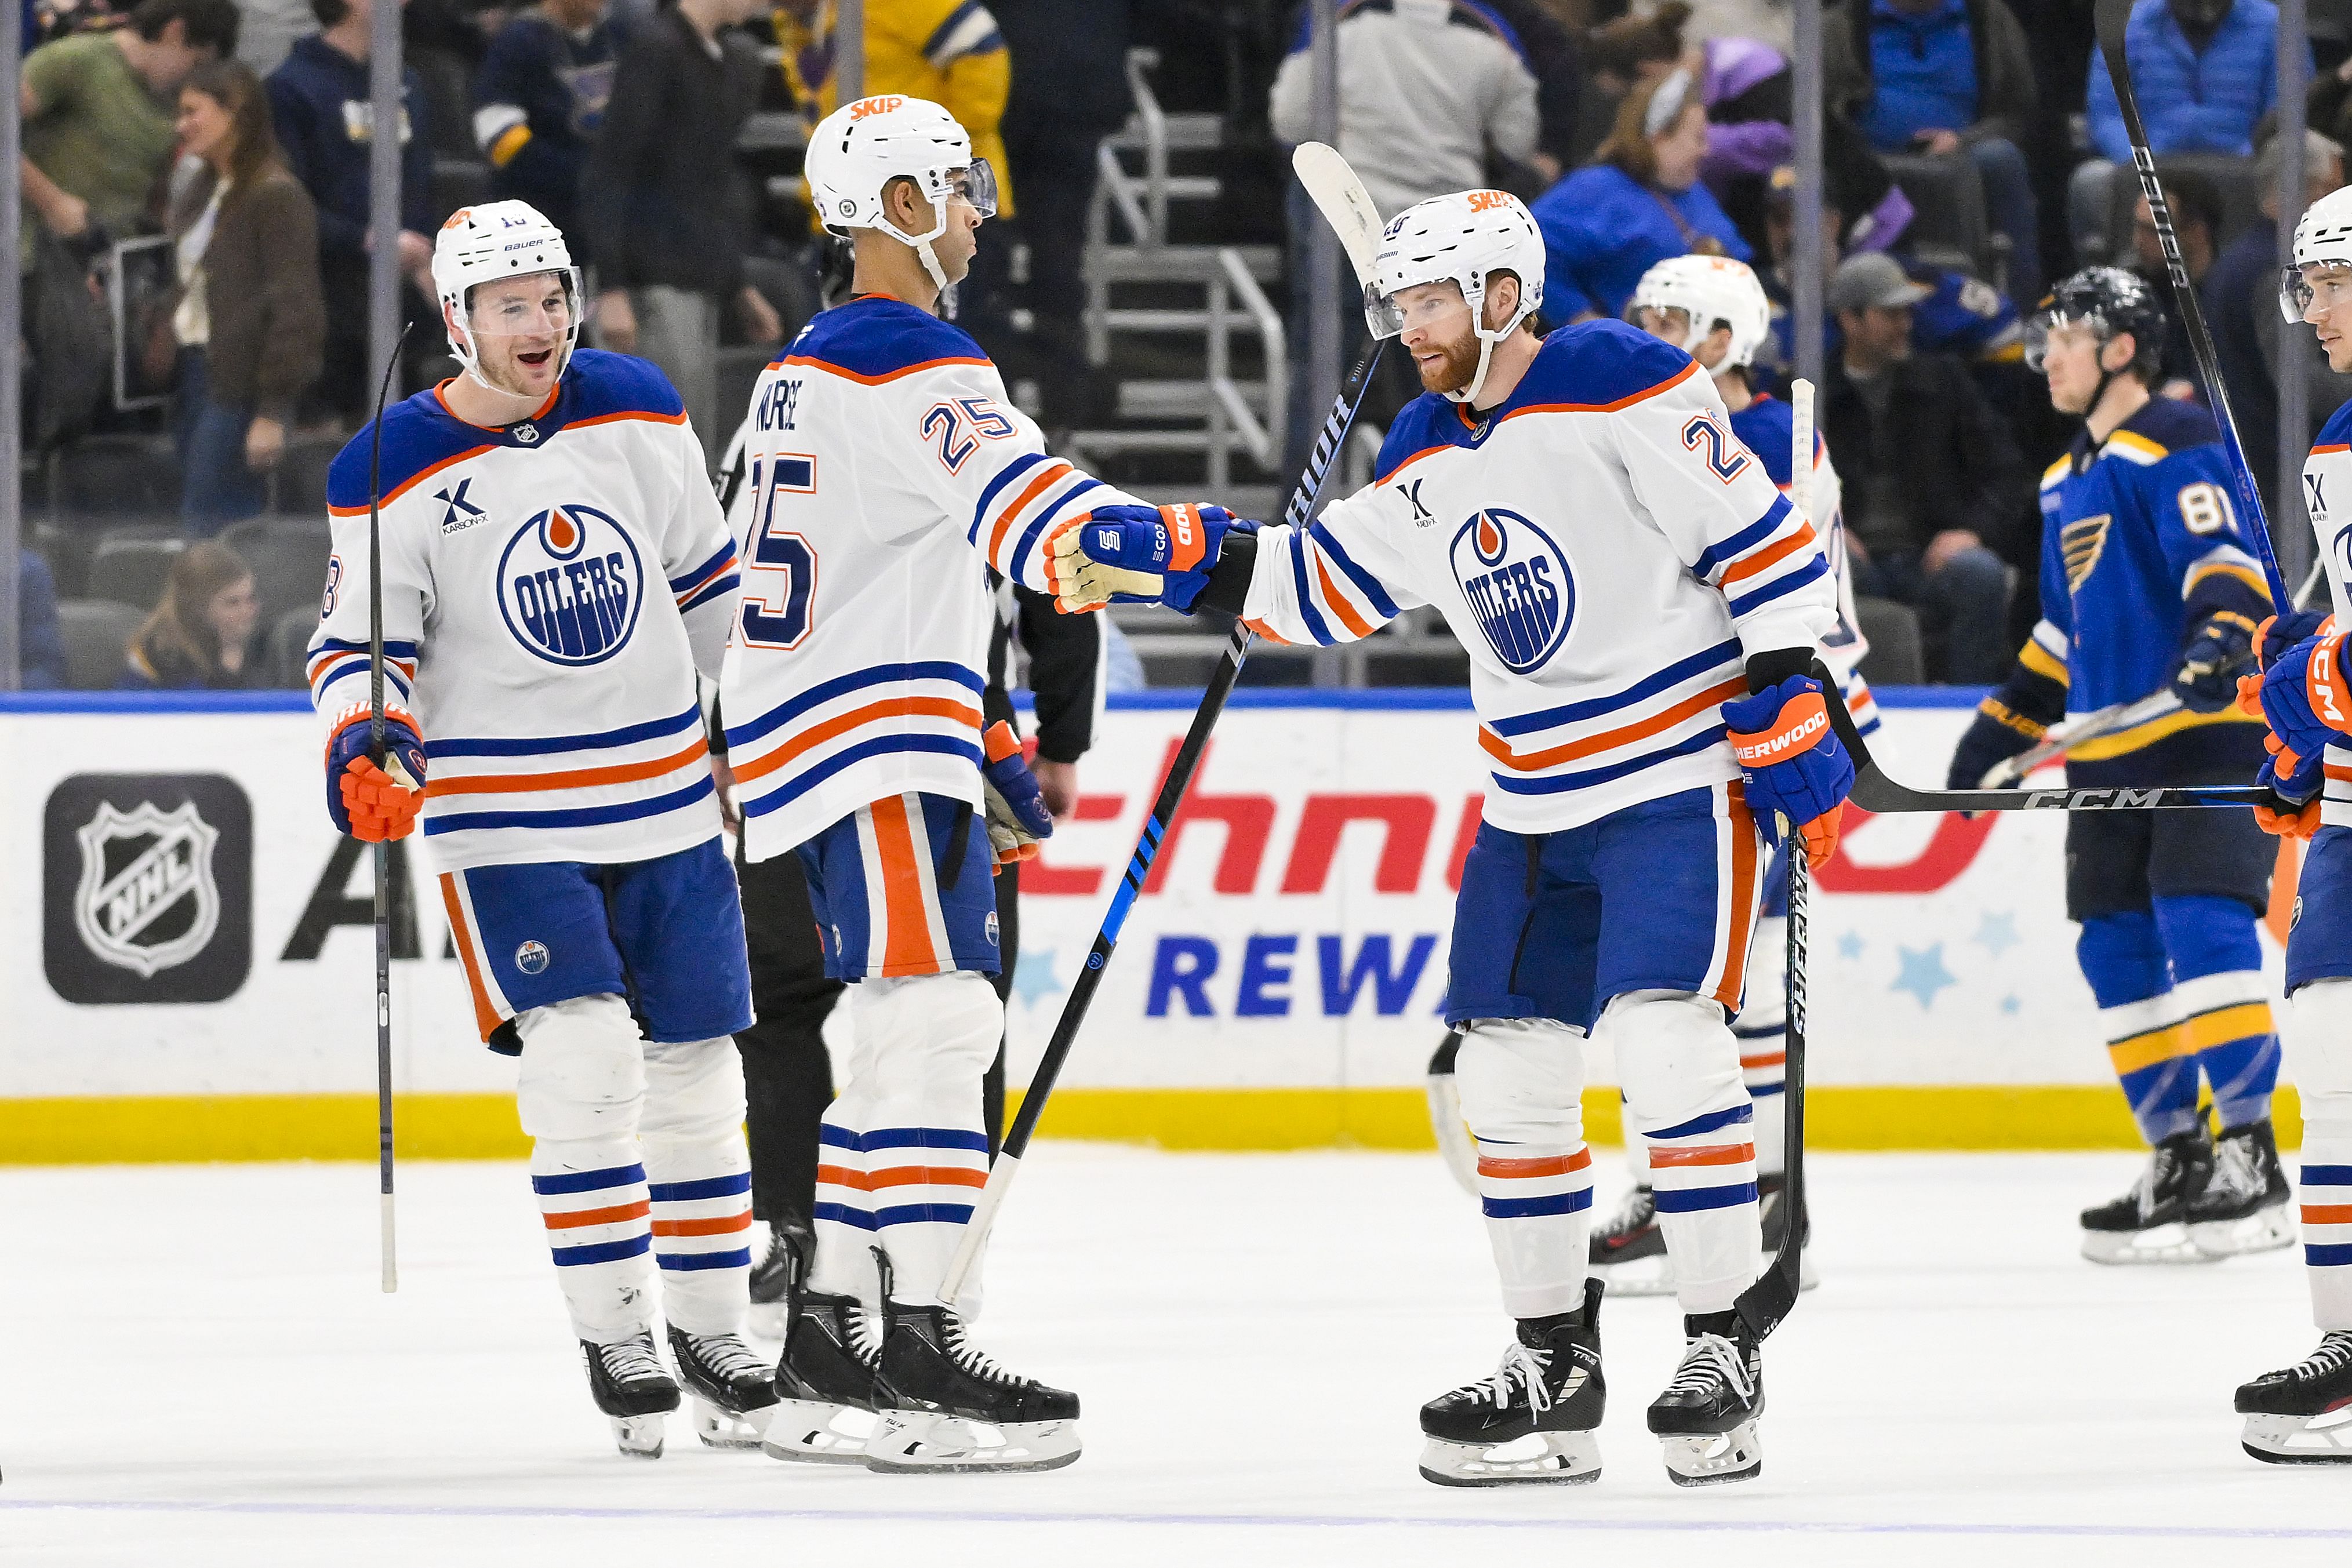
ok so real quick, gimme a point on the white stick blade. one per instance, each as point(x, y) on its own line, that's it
point(1342, 200)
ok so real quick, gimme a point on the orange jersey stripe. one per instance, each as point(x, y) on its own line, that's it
point(1743, 897)
point(1750, 566)
point(406, 486)
point(1538, 1166)
point(1055, 474)
point(929, 1176)
point(2328, 1213)
point(1498, 748)
point(1704, 1154)
point(906, 950)
point(569, 778)
point(1770, 1058)
point(842, 1175)
point(613, 1215)
point(1624, 402)
point(485, 1017)
point(886, 376)
point(719, 1226)
point(1339, 606)
point(643, 413)
point(841, 725)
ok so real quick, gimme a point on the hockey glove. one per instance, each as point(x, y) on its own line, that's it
point(2277, 633)
point(373, 803)
point(2206, 679)
point(1135, 554)
point(1793, 761)
point(1998, 733)
point(2294, 814)
point(1017, 817)
point(2302, 696)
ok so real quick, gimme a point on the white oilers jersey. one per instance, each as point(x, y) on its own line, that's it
point(551, 590)
point(883, 472)
point(2327, 496)
point(1605, 549)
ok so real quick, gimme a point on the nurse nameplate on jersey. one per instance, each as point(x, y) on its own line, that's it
point(570, 585)
point(1517, 580)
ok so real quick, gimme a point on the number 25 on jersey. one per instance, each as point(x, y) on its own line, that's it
point(781, 583)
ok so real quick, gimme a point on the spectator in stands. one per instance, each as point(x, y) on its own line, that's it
point(1639, 202)
point(1941, 78)
point(250, 322)
point(2240, 295)
point(1929, 471)
point(40, 641)
point(98, 116)
point(325, 119)
point(538, 104)
point(667, 213)
point(2195, 204)
point(200, 637)
point(1558, 64)
point(2204, 72)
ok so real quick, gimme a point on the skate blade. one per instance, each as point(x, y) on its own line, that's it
point(2156, 1244)
point(719, 1427)
point(769, 1320)
point(808, 1432)
point(2324, 1439)
point(640, 1437)
point(1715, 1459)
point(1570, 1459)
point(920, 1442)
point(2264, 1231)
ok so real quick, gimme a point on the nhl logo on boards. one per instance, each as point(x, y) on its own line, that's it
point(570, 585)
point(147, 888)
point(1518, 586)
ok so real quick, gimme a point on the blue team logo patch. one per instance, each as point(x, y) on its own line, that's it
point(570, 585)
point(1518, 585)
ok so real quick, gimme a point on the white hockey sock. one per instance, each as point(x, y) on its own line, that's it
point(593, 1198)
point(692, 1130)
point(1522, 1084)
point(1683, 1091)
point(2319, 1056)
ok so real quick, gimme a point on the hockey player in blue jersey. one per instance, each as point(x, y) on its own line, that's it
point(2297, 1414)
point(2146, 586)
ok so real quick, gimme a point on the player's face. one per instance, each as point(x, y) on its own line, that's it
point(519, 325)
point(2069, 358)
point(1667, 323)
point(1438, 334)
point(2327, 305)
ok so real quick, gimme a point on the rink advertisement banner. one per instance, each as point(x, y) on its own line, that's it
point(183, 923)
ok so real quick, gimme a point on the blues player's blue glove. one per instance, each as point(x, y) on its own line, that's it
point(1792, 762)
point(368, 802)
point(1135, 554)
point(2206, 678)
point(1017, 817)
point(2304, 698)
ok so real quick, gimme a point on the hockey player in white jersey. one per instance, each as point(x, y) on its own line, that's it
point(1621, 571)
point(2302, 1413)
point(555, 572)
point(1714, 308)
point(887, 472)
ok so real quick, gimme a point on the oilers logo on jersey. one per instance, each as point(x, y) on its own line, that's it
point(569, 585)
point(1517, 582)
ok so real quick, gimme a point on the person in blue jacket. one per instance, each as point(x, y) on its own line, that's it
point(539, 102)
point(1638, 202)
point(40, 641)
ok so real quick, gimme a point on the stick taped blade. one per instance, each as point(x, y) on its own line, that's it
point(1344, 203)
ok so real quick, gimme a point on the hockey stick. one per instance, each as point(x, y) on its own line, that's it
point(1765, 1303)
point(1340, 197)
point(2113, 20)
point(1454, 1143)
point(377, 752)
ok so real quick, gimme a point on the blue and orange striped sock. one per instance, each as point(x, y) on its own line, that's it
point(594, 1201)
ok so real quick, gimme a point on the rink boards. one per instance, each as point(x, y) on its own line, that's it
point(189, 960)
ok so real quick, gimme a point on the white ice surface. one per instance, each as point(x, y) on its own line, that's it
point(200, 1370)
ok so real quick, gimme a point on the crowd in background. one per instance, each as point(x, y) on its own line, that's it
point(1973, 154)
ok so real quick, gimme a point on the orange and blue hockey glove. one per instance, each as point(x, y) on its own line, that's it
point(374, 802)
point(2303, 695)
point(1018, 819)
point(1793, 761)
point(2295, 784)
point(1135, 554)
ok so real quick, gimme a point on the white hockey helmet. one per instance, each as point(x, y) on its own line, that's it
point(858, 150)
point(2324, 238)
point(482, 245)
point(1710, 291)
point(1466, 236)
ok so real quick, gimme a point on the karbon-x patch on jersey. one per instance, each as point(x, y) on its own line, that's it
point(1517, 580)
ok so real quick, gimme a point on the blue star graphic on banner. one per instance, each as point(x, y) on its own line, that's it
point(1849, 944)
point(1923, 974)
point(1033, 978)
point(1996, 934)
point(2010, 1005)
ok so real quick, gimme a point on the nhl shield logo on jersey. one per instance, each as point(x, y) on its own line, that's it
point(570, 585)
point(1518, 585)
point(148, 899)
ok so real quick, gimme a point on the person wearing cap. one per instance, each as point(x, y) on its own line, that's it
point(1931, 472)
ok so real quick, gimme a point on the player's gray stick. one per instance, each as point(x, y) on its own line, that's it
point(1453, 1141)
point(380, 754)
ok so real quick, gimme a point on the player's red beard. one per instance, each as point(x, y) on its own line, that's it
point(1452, 373)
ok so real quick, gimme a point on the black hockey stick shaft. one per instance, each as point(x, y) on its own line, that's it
point(1172, 790)
point(387, 1243)
point(2113, 21)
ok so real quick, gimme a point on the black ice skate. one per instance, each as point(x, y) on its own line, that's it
point(729, 1385)
point(777, 1275)
point(631, 1386)
point(2150, 1223)
point(1533, 1420)
point(944, 1406)
point(1707, 1415)
point(1630, 1255)
point(2302, 1414)
point(2246, 1204)
point(824, 1385)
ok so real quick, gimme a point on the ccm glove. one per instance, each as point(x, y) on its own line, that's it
point(2277, 633)
point(1793, 761)
point(2295, 813)
point(1998, 733)
point(2303, 696)
point(1017, 817)
point(2206, 679)
point(1135, 554)
point(373, 801)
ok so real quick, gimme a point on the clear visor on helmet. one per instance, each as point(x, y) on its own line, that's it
point(2043, 324)
point(1417, 307)
point(2316, 285)
point(545, 305)
point(975, 184)
point(1670, 323)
